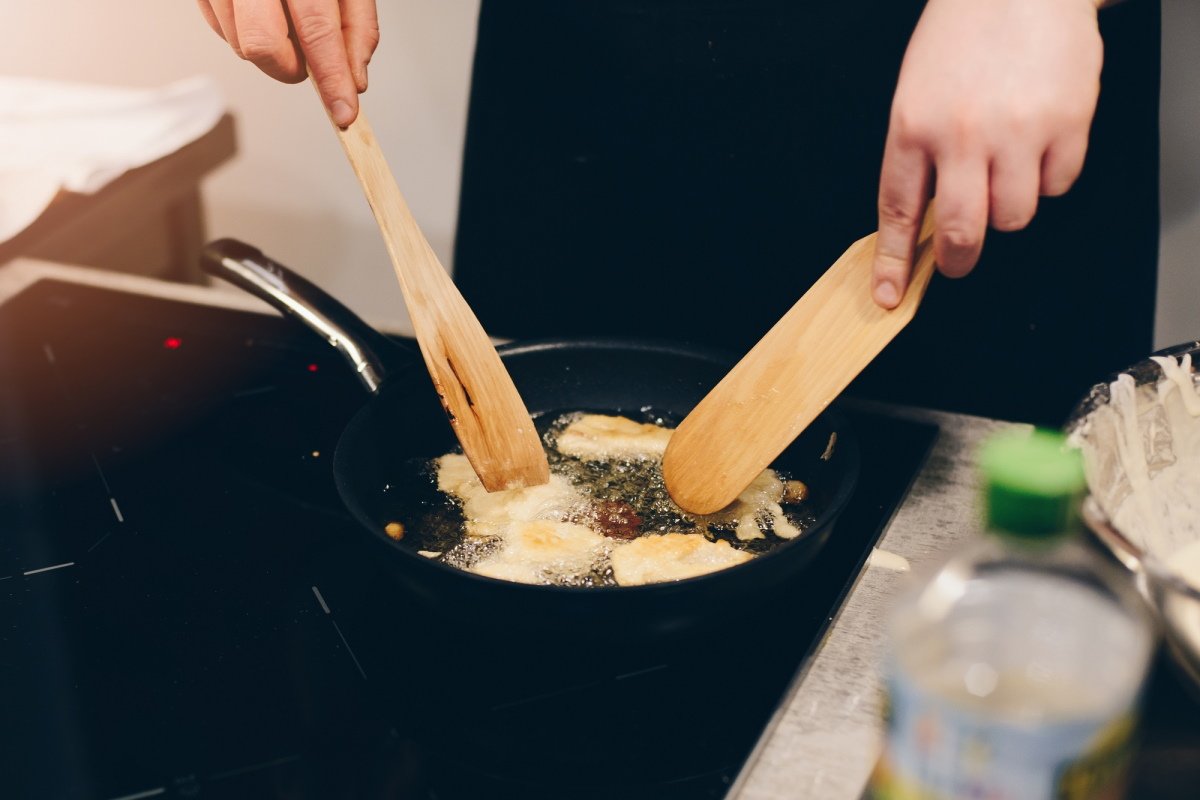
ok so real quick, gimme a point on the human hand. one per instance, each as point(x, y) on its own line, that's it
point(334, 39)
point(995, 99)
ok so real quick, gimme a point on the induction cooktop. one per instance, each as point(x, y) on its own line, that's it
point(187, 610)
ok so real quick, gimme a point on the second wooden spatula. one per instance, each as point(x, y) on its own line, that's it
point(487, 414)
point(815, 350)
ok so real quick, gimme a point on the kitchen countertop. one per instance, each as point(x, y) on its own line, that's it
point(824, 739)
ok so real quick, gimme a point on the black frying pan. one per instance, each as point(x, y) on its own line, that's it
point(403, 421)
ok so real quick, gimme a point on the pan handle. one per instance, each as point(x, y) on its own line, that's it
point(371, 354)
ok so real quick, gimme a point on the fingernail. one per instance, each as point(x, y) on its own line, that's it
point(886, 294)
point(341, 113)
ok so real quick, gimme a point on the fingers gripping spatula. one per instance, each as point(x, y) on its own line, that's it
point(815, 350)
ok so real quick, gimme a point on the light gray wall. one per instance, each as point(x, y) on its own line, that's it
point(291, 193)
point(1179, 261)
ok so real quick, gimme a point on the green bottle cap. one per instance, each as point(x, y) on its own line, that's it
point(1034, 483)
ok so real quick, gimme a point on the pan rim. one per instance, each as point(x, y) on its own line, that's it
point(847, 449)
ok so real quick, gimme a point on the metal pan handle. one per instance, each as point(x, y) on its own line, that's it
point(371, 354)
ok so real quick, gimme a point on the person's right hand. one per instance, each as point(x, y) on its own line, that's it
point(334, 38)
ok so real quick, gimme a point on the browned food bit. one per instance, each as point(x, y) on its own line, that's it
point(394, 530)
point(612, 518)
point(794, 492)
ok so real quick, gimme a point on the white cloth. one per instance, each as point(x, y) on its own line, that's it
point(79, 137)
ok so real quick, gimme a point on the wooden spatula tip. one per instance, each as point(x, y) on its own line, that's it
point(501, 480)
point(693, 502)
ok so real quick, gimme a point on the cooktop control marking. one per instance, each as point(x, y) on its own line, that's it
point(116, 509)
point(320, 599)
point(47, 569)
point(140, 795)
point(249, 392)
point(635, 673)
point(533, 698)
point(254, 767)
point(100, 472)
point(348, 650)
point(342, 636)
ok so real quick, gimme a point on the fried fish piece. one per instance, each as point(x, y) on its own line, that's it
point(758, 506)
point(549, 501)
point(599, 437)
point(671, 557)
point(544, 551)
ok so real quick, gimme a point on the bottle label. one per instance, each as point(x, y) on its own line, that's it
point(935, 750)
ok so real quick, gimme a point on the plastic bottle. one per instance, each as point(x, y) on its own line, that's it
point(1014, 672)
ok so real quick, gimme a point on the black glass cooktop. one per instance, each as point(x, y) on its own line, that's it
point(186, 610)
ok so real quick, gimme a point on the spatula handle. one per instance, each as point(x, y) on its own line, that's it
point(483, 406)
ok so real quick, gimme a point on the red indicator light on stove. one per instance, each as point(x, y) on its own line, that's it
point(172, 342)
point(312, 368)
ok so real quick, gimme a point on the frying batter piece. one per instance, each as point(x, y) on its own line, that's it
point(672, 557)
point(550, 501)
point(597, 437)
point(542, 551)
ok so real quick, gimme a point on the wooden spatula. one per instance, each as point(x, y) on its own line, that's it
point(788, 378)
point(488, 416)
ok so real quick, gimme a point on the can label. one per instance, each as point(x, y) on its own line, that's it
point(936, 750)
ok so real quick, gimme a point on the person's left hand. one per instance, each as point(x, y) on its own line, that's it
point(994, 103)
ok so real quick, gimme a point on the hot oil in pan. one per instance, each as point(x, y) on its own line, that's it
point(622, 498)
